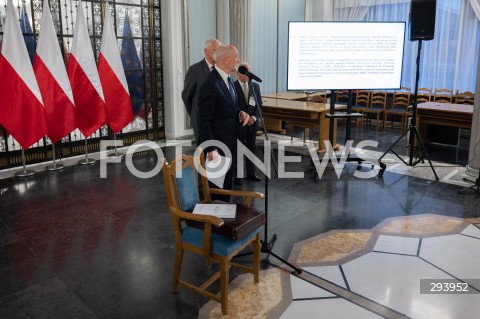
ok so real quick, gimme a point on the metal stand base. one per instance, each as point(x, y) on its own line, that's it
point(475, 187)
point(88, 161)
point(266, 248)
point(54, 167)
point(25, 173)
point(116, 155)
point(421, 151)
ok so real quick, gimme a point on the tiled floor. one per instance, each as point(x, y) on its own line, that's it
point(388, 272)
point(75, 245)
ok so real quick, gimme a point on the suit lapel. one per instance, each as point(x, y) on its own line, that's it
point(225, 91)
point(205, 68)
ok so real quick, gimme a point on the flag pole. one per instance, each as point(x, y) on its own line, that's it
point(86, 161)
point(115, 152)
point(24, 172)
point(55, 166)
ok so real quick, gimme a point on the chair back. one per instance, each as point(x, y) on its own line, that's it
point(181, 182)
point(342, 97)
point(401, 98)
point(443, 96)
point(378, 100)
point(424, 95)
point(362, 99)
point(466, 97)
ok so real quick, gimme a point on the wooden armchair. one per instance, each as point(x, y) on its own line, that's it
point(181, 178)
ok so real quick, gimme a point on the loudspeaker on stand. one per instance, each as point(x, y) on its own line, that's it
point(422, 19)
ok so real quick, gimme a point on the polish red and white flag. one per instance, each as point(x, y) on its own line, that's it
point(21, 105)
point(53, 80)
point(112, 77)
point(82, 72)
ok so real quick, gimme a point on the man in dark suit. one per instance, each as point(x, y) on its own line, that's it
point(246, 102)
point(196, 75)
point(218, 113)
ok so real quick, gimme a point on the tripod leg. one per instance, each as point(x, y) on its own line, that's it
point(382, 165)
point(476, 185)
point(296, 269)
point(422, 147)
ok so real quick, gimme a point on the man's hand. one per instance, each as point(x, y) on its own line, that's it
point(212, 156)
point(244, 118)
point(251, 121)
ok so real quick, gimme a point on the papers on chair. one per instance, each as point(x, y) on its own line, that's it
point(219, 210)
point(217, 169)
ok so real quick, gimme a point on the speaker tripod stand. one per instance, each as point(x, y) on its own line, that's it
point(475, 186)
point(419, 152)
point(416, 151)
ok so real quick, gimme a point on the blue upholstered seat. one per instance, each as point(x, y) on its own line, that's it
point(220, 245)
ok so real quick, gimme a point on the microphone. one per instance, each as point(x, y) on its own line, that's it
point(243, 70)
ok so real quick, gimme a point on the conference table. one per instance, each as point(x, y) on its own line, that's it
point(298, 95)
point(442, 114)
point(304, 113)
point(276, 125)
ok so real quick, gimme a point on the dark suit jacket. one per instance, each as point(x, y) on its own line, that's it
point(196, 75)
point(243, 103)
point(248, 134)
point(217, 112)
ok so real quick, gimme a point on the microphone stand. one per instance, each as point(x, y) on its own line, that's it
point(267, 245)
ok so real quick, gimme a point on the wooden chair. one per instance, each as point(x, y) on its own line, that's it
point(362, 100)
point(377, 105)
point(424, 95)
point(342, 97)
point(443, 96)
point(400, 106)
point(466, 97)
point(183, 195)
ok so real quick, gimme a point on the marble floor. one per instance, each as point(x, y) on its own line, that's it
point(74, 245)
point(405, 267)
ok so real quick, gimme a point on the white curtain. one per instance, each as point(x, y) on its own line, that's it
point(476, 7)
point(356, 10)
point(351, 10)
point(447, 61)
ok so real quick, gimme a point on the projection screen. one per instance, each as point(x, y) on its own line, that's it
point(345, 55)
